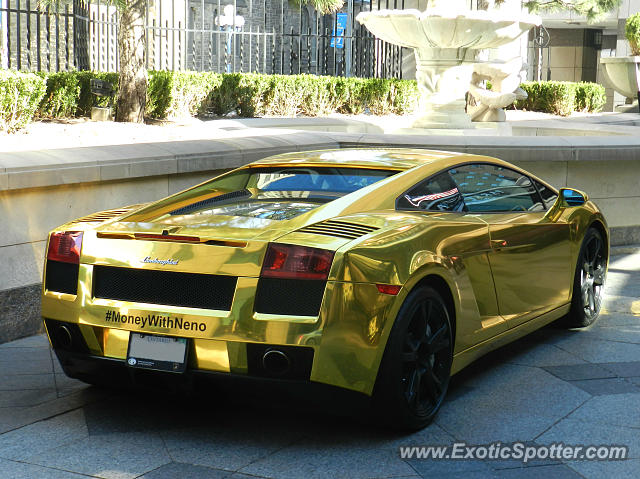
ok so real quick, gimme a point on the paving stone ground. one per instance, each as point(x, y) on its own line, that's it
point(556, 385)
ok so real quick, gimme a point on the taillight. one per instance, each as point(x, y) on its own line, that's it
point(296, 262)
point(65, 247)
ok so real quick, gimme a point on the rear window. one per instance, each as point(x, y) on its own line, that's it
point(338, 180)
point(266, 192)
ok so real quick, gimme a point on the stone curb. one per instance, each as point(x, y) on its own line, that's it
point(44, 168)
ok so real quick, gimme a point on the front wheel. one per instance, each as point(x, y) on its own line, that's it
point(414, 374)
point(588, 283)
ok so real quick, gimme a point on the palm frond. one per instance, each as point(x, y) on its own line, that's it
point(57, 4)
point(322, 6)
point(593, 10)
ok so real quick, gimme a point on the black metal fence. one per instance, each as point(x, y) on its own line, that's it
point(265, 36)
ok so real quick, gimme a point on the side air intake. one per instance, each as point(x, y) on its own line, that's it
point(339, 229)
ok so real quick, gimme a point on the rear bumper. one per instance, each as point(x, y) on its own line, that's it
point(347, 338)
point(116, 373)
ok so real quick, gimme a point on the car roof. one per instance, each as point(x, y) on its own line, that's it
point(379, 158)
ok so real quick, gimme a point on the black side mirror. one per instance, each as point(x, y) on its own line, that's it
point(573, 197)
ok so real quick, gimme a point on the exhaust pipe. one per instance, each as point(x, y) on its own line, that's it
point(276, 362)
point(64, 338)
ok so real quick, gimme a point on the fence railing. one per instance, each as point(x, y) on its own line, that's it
point(185, 35)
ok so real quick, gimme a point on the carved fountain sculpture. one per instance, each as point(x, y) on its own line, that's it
point(446, 42)
point(488, 104)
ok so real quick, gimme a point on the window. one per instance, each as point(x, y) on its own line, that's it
point(487, 188)
point(548, 195)
point(438, 193)
point(274, 193)
point(321, 179)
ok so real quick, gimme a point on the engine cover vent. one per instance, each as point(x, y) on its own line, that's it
point(101, 216)
point(339, 229)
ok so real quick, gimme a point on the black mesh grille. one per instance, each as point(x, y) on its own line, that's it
point(61, 277)
point(289, 296)
point(191, 290)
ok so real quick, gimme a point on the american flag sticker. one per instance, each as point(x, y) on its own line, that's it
point(435, 196)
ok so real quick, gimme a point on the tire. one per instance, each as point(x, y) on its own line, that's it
point(414, 374)
point(588, 282)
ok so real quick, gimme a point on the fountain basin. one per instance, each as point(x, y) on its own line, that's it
point(442, 28)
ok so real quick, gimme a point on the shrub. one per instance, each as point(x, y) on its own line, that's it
point(555, 97)
point(562, 98)
point(632, 32)
point(321, 96)
point(239, 92)
point(20, 95)
point(349, 94)
point(159, 89)
point(62, 95)
point(180, 94)
point(405, 96)
point(590, 97)
point(285, 95)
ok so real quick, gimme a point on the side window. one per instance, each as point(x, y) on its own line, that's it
point(548, 196)
point(487, 188)
point(438, 193)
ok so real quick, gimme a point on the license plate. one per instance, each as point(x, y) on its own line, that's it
point(162, 353)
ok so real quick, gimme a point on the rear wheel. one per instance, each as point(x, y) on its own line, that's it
point(588, 283)
point(414, 374)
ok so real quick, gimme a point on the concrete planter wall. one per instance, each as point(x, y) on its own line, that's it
point(42, 189)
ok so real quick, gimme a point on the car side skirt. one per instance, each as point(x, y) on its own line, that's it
point(466, 357)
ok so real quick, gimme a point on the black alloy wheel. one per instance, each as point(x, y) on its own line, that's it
point(415, 370)
point(589, 280)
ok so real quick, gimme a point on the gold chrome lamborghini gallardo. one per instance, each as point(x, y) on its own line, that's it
point(380, 271)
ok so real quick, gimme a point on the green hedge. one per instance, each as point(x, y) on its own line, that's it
point(252, 94)
point(562, 98)
point(20, 95)
point(175, 94)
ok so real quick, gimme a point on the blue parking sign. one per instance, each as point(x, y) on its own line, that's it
point(338, 30)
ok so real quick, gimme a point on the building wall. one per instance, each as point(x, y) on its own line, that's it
point(573, 56)
point(576, 58)
point(608, 50)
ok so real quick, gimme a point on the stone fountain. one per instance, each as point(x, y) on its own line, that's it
point(446, 42)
